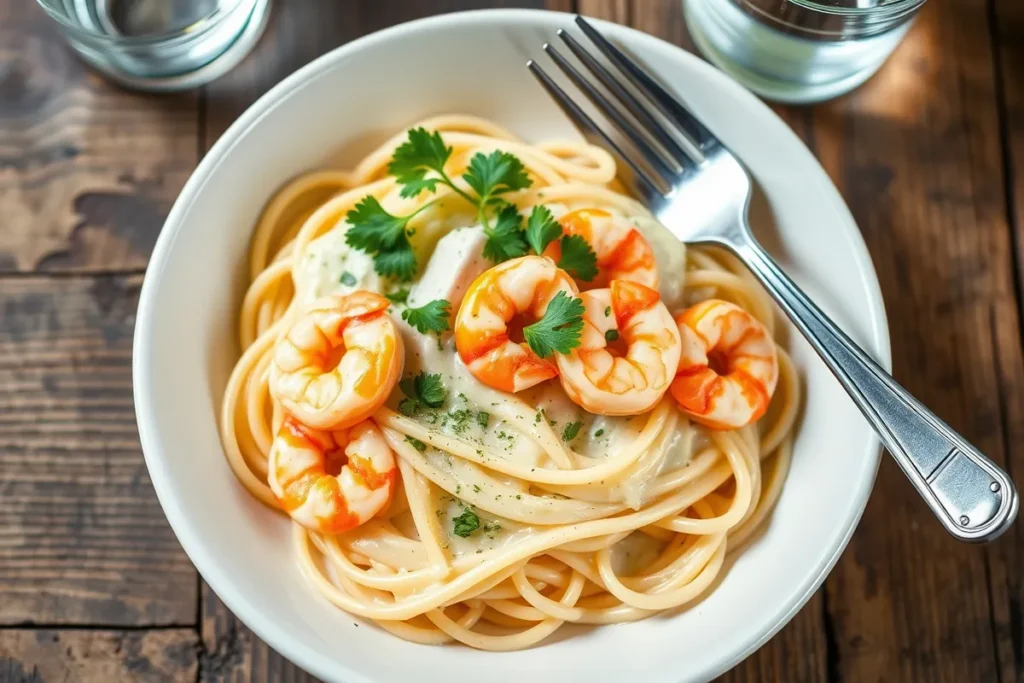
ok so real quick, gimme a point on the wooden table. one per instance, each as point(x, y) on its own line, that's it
point(93, 585)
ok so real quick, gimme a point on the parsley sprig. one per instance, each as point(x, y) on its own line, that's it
point(418, 165)
point(560, 328)
point(383, 235)
point(421, 390)
point(578, 259)
point(430, 317)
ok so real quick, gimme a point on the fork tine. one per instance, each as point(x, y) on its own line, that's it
point(641, 185)
point(669, 105)
point(628, 100)
point(647, 152)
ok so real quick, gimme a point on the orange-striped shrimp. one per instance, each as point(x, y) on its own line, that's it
point(499, 303)
point(308, 484)
point(623, 253)
point(718, 334)
point(628, 352)
point(338, 362)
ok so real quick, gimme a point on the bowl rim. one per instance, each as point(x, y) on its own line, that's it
point(276, 636)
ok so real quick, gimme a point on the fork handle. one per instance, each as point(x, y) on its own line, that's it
point(973, 498)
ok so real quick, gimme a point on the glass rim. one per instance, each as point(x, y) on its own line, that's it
point(181, 35)
point(851, 7)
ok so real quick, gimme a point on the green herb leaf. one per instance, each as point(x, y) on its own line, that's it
point(611, 335)
point(495, 174)
point(571, 430)
point(408, 407)
point(598, 433)
point(560, 328)
point(578, 259)
point(377, 232)
point(430, 389)
point(431, 317)
point(505, 240)
point(417, 444)
point(483, 419)
point(541, 229)
point(400, 263)
point(607, 311)
point(399, 297)
point(420, 153)
point(348, 279)
point(465, 524)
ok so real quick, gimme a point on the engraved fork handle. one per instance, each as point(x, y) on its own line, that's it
point(973, 498)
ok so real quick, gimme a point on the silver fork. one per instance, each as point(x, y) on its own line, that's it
point(702, 195)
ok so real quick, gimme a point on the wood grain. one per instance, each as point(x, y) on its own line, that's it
point(82, 537)
point(232, 653)
point(87, 171)
point(53, 656)
point(916, 154)
point(1006, 560)
point(929, 155)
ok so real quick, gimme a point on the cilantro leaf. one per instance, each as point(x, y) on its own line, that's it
point(408, 407)
point(560, 328)
point(571, 430)
point(420, 153)
point(505, 240)
point(578, 259)
point(494, 174)
point(541, 229)
point(399, 297)
point(431, 317)
point(408, 387)
point(377, 232)
point(465, 524)
point(430, 389)
point(374, 228)
point(400, 263)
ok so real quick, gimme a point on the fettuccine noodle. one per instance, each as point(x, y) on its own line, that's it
point(635, 516)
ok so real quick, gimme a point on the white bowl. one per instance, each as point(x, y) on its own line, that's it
point(335, 109)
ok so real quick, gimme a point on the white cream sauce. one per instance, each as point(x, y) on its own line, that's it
point(473, 411)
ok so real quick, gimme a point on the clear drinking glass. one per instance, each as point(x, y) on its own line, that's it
point(799, 51)
point(160, 44)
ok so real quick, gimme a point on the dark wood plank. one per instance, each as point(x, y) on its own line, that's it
point(1006, 561)
point(82, 537)
point(45, 656)
point(916, 154)
point(87, 171)
point(231, 653)
point(619, 11)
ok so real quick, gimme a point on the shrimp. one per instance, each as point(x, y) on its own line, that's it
point(301, 477)
point(719, 334)
point(602, 379)
point(491, 317)
point(623, 253)
point(338, 362)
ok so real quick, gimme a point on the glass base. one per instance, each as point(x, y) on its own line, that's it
point(780, 67)
point(150, 70)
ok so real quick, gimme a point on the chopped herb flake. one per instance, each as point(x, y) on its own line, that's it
point(465, 524)
point(571, 430)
